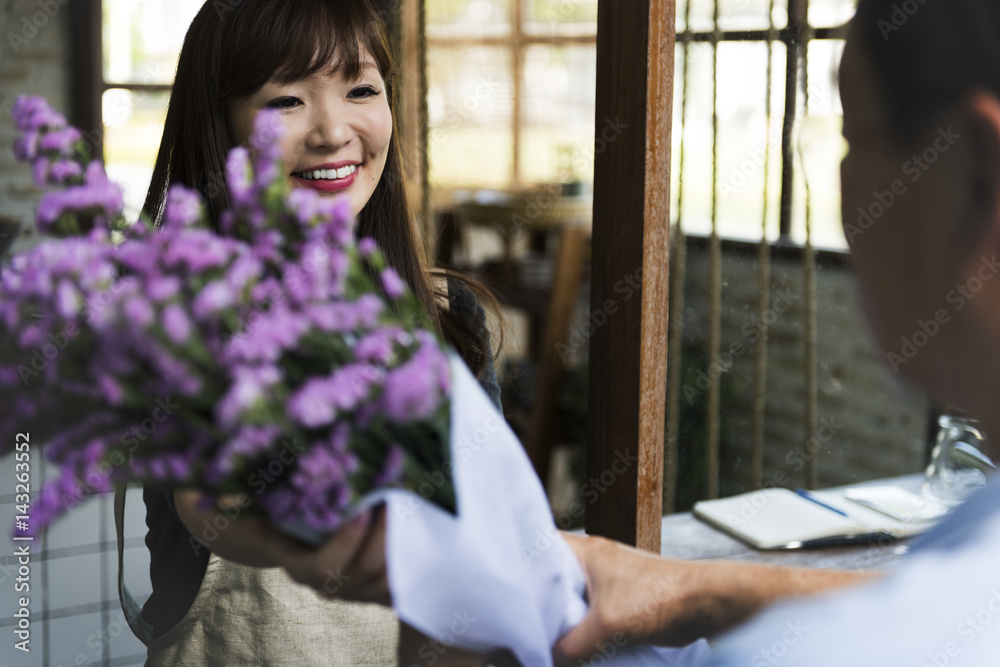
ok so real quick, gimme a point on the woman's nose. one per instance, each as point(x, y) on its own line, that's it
point(329, 128)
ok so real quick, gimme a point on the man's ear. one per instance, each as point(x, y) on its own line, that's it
point(981, 120)
point(983, 126)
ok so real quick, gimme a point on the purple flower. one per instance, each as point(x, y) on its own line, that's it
point(393, 284)
point(268, 337)
point(320, 400)
point(367, 246)
point(380, 345)
point(304, 204)
point(344, 316)
point(392, 469)
point(68, 299)
point(63, 171)
point(40, 171)
point(96, 193)
point(26, 146)
point(138, 312)
point(215, 296)
point(159, 288)
point(248, 388)
point(268, 129)
point(34, 113)
point(199, 249)
point(61, 141)
point(111, 389)
point(238, 176)
point(413, 391)
point(183, 207)
point(243, 272)
point(176, 323)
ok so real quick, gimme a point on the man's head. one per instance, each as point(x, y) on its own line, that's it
point(920, 188)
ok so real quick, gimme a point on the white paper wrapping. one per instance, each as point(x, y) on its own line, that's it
point(498, 575)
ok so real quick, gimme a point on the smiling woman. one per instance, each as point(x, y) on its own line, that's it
point(325, 65)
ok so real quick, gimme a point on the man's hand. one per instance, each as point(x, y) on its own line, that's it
point(633, 596)
point(636, 596)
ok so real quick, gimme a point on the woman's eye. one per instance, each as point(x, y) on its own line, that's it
point(363, 91)
point(284, 103)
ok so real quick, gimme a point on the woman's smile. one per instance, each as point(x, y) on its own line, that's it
point(330, 177)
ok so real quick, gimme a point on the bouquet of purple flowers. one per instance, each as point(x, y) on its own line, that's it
point(278, 359)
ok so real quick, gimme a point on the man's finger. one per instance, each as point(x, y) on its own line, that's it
point(580, 642)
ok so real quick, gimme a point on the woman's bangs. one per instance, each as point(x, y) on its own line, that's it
point(289, 41)
point(328, 41)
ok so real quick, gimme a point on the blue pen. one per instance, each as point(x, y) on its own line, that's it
point(808, 496)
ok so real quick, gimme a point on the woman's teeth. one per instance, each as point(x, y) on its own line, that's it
point(328, 174)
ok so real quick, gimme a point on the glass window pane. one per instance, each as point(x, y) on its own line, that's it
point(558, 98)
point(470, 103)
point(142, 38)
point(749, 143)
point(560, 17)
point(830, 13)
point(749, 14)
point(819, 149)
point(746, 139)
point(701, 15)
point(468, 18)
point(133, 125)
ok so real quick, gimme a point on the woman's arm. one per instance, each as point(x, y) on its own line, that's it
point(673, 602)
point(350, 565)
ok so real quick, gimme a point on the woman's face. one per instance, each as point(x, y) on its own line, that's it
point(337, 130)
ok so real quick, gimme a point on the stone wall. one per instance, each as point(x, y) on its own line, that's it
point(879, 423)
point(34, 59)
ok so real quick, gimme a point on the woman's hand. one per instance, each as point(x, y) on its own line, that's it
point(350, 565)
point(636, 596)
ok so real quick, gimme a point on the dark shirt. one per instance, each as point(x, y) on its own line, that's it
point(178, 561)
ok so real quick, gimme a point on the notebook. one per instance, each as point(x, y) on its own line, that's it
point(785, 519)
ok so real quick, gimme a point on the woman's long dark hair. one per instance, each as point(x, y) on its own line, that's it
point(231, 50)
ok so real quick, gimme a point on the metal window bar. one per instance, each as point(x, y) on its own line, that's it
point(796, 36)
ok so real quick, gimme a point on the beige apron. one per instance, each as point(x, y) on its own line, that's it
point(246, 616)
